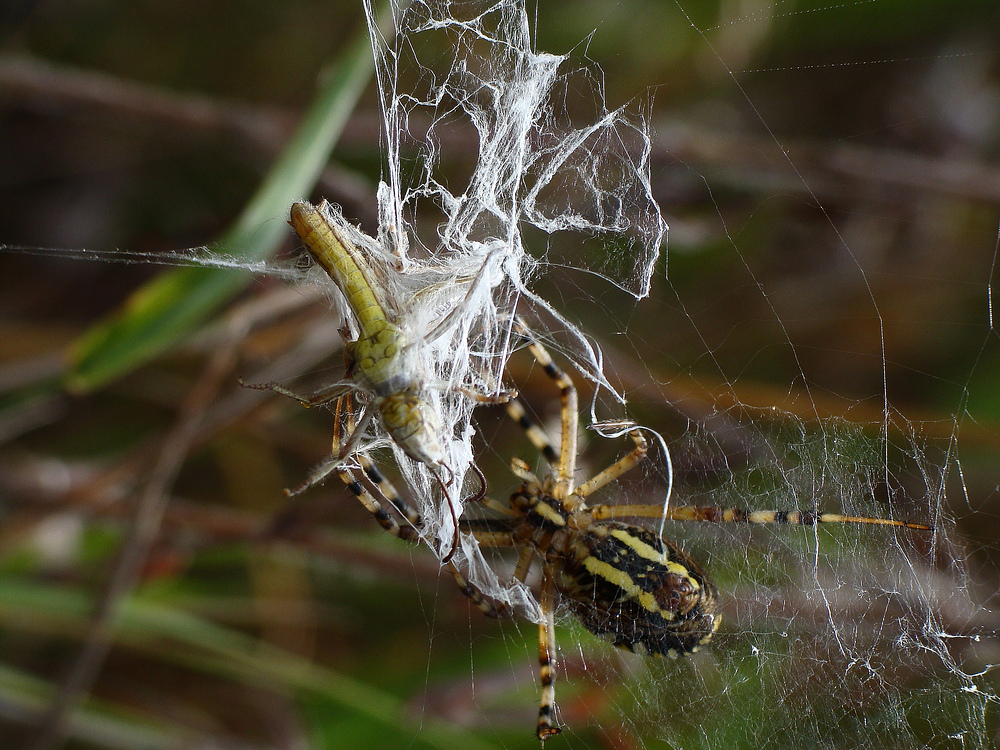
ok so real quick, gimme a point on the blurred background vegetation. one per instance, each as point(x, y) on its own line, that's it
point(830, 175)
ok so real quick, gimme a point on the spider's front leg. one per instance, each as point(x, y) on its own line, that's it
point(566, 465)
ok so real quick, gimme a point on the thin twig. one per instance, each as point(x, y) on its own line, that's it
point(829, 170)
point(835, 170)
point(38, 81)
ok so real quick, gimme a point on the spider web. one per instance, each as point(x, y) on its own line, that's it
point(844, 637)
point(770, 348)
point(471, 69)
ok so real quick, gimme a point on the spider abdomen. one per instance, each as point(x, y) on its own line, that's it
point(641, 591)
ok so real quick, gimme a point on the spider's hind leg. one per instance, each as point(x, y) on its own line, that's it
point(344, 419)
point(547, 726)
point(385, 519)
point(712, 514)
point(486, 604)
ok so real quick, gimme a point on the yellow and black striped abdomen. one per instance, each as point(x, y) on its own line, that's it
point(626, 583)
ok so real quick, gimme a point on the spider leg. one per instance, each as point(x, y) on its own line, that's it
point(388, 491)
point(335, 461)
point(535, 433)
point(407, 511)
point(385, 488)
point(547, 659)
point(566, 465)
point(356, 430)
point(487, 535)
point(524, 563)
point(486, 604)
point(409, 533)
point(621, 466)
point(708, 514)
point(495, 505)
point(523, 472)
point(385, 520)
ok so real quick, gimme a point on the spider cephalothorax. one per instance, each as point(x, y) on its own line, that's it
point(623, 582)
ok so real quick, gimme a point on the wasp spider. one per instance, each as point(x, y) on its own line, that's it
point(623, 582)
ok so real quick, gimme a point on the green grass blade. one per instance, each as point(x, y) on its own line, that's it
point(23, 696)
point(171, 306)
point(182, 638)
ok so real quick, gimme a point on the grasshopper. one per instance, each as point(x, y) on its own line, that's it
point(378, 361)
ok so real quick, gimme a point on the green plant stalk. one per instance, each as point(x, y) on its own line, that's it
point(202, 645)
point(177, 302)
